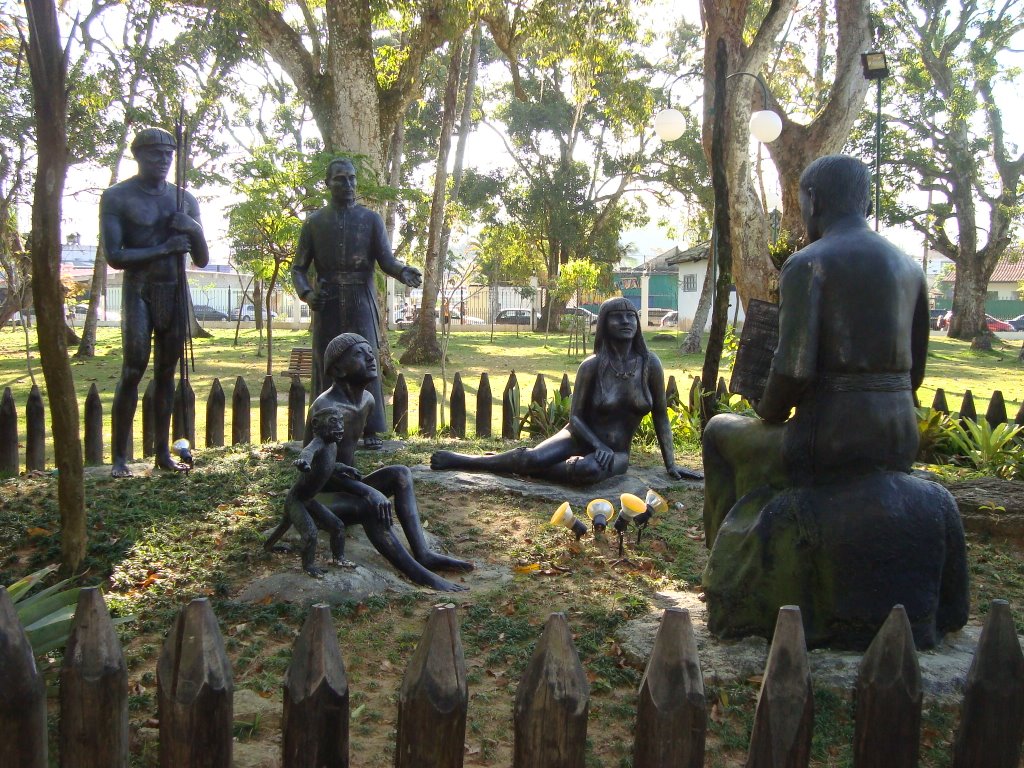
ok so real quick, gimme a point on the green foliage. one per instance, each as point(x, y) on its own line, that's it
point(935, 431)
point(48, 614)
point(992, 450)
point(542, 421)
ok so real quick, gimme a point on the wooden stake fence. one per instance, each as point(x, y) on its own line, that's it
point(428, 403)
point(194, 691)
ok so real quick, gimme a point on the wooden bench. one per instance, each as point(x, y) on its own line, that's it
point(300, 363)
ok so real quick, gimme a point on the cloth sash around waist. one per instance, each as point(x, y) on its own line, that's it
point(866, 382)
point(343, 278)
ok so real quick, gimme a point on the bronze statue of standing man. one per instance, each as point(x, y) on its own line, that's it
point(147, 236)
point(343, 242)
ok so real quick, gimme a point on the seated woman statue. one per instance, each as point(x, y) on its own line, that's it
point(615, 388)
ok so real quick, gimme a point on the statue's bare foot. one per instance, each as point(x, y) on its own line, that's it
point(164, 461)
point(437, 562)
point(279, 548)
point(372, 442)
point(316, 573)
point(443, 585)
point(341, 562)
point(120, 469)
point(443, 460)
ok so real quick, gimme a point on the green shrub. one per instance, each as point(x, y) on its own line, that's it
point(992, 450)
point(47, 615)
point(935, 431)
point(542, 421)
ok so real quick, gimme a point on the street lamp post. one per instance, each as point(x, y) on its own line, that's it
point(876, 68)
point(765, 126)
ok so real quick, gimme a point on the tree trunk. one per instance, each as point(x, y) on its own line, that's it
point(48, 68)
point(423, 346)
point(799, 145)
point(755, 275)
point(969, 293)
point(691, 344)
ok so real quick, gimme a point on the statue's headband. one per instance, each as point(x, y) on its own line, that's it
point(152, 137)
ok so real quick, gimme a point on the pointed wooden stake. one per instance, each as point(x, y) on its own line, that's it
point(510, 409)
point(939, 402)
point(992, 722)
point(400, 407)
point(8, 435)
point(539, 395)
point(565, 388)
point(194, 692)
point(93, 428)
point(183, 423)
point(888, 694)
point(967, 408)
point(457, 408)
point(428, 407)
point(35, 431)
point(433, 700)
point(241, 431)
point(671, 716)
point(484, 405)
point(268, 410)
point(784, 718)
point(93, 690)
point(672, 393)
point(996, 413)
point(316, 706)
point(22, 695)
point(296, 409)
point(215, 416)
point(552, 703)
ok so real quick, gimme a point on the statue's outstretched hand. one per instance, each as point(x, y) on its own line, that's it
point(681, 473)
point(302, 465)
point(411, 277)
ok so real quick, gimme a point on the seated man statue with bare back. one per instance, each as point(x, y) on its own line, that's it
point(813, 503)
point(616, 387)
point(350, 363)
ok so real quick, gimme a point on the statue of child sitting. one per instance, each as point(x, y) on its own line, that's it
point(317, 463)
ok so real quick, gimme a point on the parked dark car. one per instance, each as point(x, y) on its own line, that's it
point(512, 317)
point(205, 312)
point(1017, 322)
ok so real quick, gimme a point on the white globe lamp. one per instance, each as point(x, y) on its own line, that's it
point(669, 124)
point(765, 126)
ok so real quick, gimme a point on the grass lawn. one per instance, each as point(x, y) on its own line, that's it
point(154, 543)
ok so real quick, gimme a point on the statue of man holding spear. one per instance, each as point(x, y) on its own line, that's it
point(148, 227)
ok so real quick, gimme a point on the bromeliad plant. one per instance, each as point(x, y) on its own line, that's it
point(935, 430)
point(542, 421)
point(992, 450)
point(48, 614)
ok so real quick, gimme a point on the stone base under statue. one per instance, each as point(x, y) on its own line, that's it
point(845, 553)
